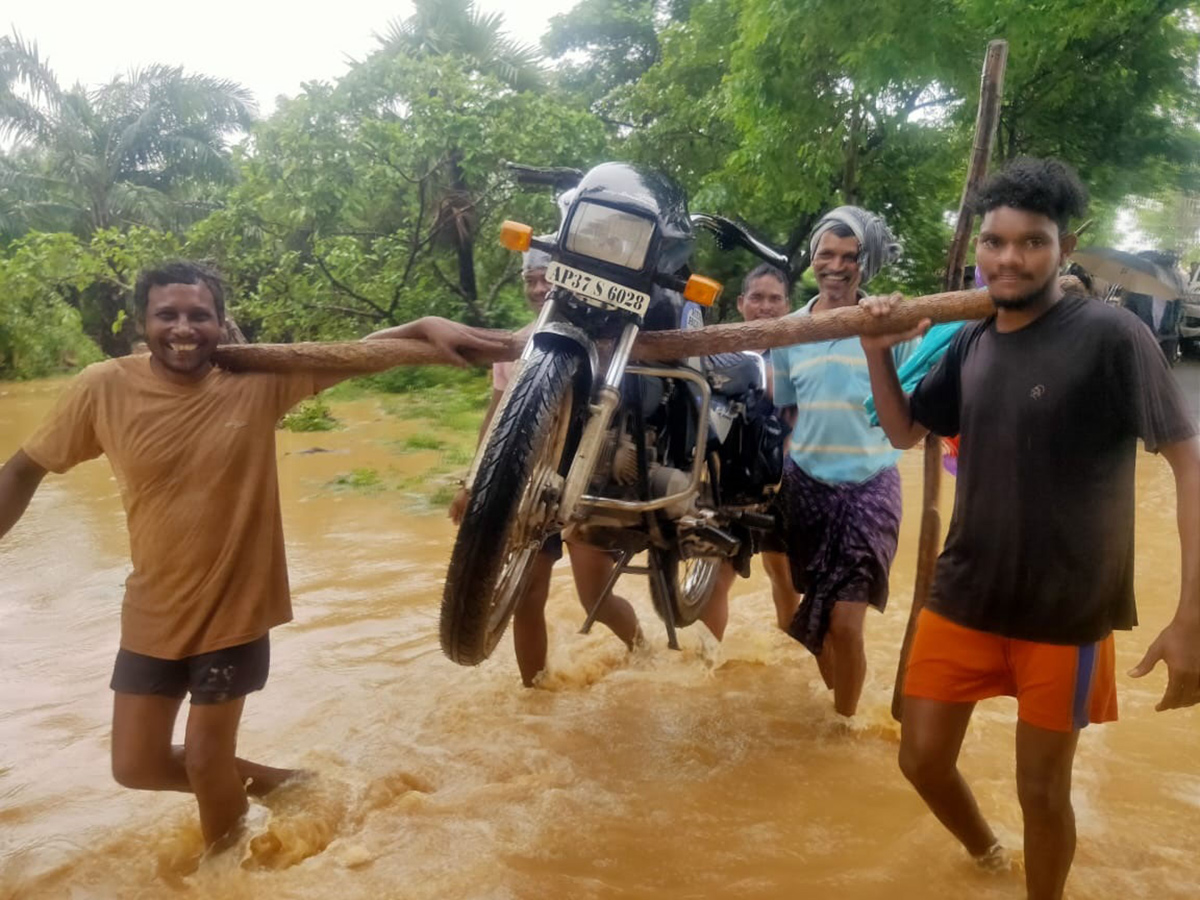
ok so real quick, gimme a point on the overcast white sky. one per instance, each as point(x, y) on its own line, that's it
point(269, 46)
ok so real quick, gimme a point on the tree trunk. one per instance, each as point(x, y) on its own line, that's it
point(100, 308)
point(850, 165)
point(464, 241)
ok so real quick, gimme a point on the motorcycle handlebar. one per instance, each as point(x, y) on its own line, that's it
point(730, 234)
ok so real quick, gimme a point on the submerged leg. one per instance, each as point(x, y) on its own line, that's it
point(591, 567)
point(931, 736)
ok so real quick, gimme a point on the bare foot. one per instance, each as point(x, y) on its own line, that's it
point(266, 779)
point(638, 643)
point(227, 841)
point(994, 859)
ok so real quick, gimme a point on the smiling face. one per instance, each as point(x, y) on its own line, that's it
point(835, 265)
point(1019, 253)
point(182, 330)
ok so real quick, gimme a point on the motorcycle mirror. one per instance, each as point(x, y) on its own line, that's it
point(701, 290)
point(515, 236)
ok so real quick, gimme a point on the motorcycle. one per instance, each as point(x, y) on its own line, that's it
point(676, 459)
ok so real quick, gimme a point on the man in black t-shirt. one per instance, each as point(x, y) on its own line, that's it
point(1049, 398)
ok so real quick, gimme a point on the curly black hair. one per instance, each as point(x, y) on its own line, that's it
point(1045, 186)
point(179, 271)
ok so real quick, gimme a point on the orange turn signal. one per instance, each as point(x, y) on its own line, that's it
point(702, 290)
point(515, 236)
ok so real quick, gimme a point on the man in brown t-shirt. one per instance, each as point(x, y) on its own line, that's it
point(193, 450)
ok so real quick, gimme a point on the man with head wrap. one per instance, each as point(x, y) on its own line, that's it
point(840, 498)
point(589, 565)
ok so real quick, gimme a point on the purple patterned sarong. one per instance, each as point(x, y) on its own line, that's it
point(840, 539)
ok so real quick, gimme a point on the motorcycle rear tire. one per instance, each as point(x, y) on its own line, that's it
point(494, 552)
point(694, 581)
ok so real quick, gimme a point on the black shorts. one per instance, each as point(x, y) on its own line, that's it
point(215, 677)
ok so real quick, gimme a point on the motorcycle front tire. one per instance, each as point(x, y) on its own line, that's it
point(529, 444)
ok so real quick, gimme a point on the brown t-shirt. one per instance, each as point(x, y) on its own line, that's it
point(196, 468)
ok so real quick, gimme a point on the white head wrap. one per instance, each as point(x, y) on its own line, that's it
point(533, 258)
point(877, 245)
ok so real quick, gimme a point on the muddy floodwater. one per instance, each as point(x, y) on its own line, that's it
point(717, 771)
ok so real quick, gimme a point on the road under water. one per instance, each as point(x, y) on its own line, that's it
point(717, 771)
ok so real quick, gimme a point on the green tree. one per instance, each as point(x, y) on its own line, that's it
point(377, 200)
point(143, 149)
point(374, 200)
point(773, 113)
point(456, 31)
point(604, 44)
point(137, 150)
point(1110, 86)
point(778, 109)
point(41, 276)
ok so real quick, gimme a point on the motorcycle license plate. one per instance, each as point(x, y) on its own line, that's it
point(597, 291)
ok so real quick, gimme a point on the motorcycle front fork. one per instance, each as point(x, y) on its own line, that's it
point(606, 399)
point(591, 444)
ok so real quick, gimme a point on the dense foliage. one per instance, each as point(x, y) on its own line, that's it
point(376, 199)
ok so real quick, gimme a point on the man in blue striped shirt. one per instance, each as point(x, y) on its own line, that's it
point(840, 497)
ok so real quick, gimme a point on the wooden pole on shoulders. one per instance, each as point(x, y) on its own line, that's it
point(379, 355)
point(990, 92)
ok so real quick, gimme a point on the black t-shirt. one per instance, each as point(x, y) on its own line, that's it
point(1041, 541)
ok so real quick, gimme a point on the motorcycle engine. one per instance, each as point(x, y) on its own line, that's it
point(662, 480)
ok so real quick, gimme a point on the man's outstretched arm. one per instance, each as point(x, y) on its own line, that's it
point(1179, 643)
point(19, 479)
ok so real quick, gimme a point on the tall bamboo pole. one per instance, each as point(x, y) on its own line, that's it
point(991, 90)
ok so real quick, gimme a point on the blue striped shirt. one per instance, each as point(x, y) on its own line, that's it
point(828, 382)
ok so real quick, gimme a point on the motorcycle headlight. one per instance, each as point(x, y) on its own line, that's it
point(610, 235)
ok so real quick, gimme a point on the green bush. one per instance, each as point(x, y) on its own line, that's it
point(418, 442)
point(406, 379)
point(40, 332)
point(443, 495)
point(362, 479)
point(311, 415)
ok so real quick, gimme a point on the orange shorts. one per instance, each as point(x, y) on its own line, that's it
point(1058, 687)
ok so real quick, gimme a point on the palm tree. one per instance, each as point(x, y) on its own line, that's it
point(137, 150)
point(457, 28)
